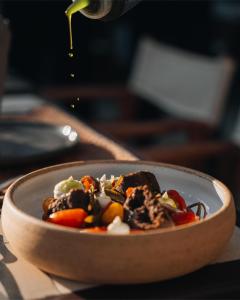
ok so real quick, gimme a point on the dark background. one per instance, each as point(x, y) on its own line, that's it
point(104, 51)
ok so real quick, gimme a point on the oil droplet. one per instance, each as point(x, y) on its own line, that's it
point(72, 75)
point(78, 98)
point(70, 54)
point(72, 106)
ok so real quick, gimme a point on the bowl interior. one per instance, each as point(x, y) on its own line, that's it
point(33, 188)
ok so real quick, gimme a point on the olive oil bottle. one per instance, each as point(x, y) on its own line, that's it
point(103, 9)
point(98, 9)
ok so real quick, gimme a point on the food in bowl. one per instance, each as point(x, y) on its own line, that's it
point(118, 205)
point(151, 256)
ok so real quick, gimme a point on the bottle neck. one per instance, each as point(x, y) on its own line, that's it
point(108, 9)
point(97, 9)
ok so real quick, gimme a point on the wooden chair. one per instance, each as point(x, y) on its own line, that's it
point(234, 138)
point(191, 90)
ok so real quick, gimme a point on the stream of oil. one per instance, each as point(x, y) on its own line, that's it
point(75, 7)
point(71, 10)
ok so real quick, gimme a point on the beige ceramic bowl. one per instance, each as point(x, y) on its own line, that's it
point(102, 258)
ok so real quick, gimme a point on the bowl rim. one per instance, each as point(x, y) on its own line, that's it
point(8, 199)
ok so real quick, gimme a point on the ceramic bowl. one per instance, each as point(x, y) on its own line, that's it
point(102, 258)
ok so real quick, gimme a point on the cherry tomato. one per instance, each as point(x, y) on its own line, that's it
point(95, 230)
point(184, 217)
point(68, 217)
point(180, 202)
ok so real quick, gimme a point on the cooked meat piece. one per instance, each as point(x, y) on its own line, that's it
point(46, 204)
point(137, 197)
point(75, 199)
point(137, 179)
point(134, 201)
point(156, 211)
point(143, 210)
point(56, 205)
point(78, 199)
point(95, 207)
point(140, 217)
point(143, 219)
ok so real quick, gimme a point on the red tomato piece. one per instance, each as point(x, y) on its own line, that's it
point(68, 217)
point(180, 202)
point(184, 217)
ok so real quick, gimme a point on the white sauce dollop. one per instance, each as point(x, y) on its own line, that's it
point(118, 227)
point(63, 187)
point(103, 199)
point(106, 183)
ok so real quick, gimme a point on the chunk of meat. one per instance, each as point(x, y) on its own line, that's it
point(137, 197)
point(143, 210)
point(74, 199)
point(137, 179)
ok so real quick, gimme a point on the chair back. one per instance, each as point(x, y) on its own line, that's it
point(183, 84)
point(234, 135)
point(4, 49)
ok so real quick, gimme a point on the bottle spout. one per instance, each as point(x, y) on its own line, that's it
point(76, 6)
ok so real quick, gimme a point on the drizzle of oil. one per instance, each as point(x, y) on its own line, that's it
point(71, 10)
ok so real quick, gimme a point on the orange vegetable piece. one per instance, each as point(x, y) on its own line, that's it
point(113, 210)
point(68, 217)
point(89, 219)
point(96, 229)
point(129, 191)
point(88, 182)
point(138, 231)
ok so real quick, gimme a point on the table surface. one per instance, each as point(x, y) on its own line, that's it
point(93, 145)
point(220, 281)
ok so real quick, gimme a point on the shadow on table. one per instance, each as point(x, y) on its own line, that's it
point(219, 281)
point(6, 278)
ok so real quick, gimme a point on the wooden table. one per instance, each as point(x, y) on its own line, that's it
point(93, 145)
point(219, 281)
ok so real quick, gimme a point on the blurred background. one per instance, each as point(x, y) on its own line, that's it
point(107, 65)
point(105, 50)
